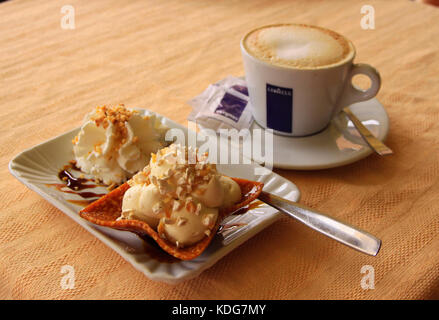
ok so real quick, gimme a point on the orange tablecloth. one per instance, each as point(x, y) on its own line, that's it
point(158, 55)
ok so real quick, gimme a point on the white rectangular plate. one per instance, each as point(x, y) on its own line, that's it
point(39, 166)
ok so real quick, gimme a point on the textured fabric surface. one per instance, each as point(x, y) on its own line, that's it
point(158, 55)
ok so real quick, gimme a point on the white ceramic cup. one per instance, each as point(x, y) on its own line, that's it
point(299, 102)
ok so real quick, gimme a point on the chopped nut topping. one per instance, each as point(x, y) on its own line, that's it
point(181, 221)
point(181, 181)
point(198, 209)
point(177, 205)
point(208, 219)
point(190, 205)
point(180, 192)
point(142, 177)
point(117, 116)
point(157, 208)
point(75, 140)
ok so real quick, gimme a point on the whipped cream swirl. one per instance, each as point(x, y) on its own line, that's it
point(116, 142)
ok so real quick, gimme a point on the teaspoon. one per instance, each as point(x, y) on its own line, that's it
point(335, 229)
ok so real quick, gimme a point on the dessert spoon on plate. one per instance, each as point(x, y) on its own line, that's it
point(333, 228)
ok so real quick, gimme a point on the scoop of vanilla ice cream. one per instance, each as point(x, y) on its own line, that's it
point(210, 194)
point(184, 196)
point(232, 191)
point(185, 228)
point(143, 202)
point(116, 142)
point(220, 192)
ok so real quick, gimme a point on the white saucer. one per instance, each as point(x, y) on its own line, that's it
point(339, 144)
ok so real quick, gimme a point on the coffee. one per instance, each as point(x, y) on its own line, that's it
point(299, 77)
point(298, 46)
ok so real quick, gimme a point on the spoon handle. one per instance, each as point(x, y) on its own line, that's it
point(344, 233)
point(375, 144)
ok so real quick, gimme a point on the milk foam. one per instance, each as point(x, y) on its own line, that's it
point(297, 46)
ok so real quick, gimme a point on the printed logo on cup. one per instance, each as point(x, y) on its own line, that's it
point(279, 108)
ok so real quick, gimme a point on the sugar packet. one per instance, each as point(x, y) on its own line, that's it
point(223, 105)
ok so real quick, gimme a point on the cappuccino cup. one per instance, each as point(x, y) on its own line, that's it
point(300, 76)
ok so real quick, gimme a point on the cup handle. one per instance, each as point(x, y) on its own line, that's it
point(352, 94)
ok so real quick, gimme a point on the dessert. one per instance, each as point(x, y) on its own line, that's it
point(178, 202)
point(179, 199)
point(115, 142)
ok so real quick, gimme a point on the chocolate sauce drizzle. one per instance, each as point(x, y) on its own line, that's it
point(230, 226)
point(74, 185)
point(255, 204)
